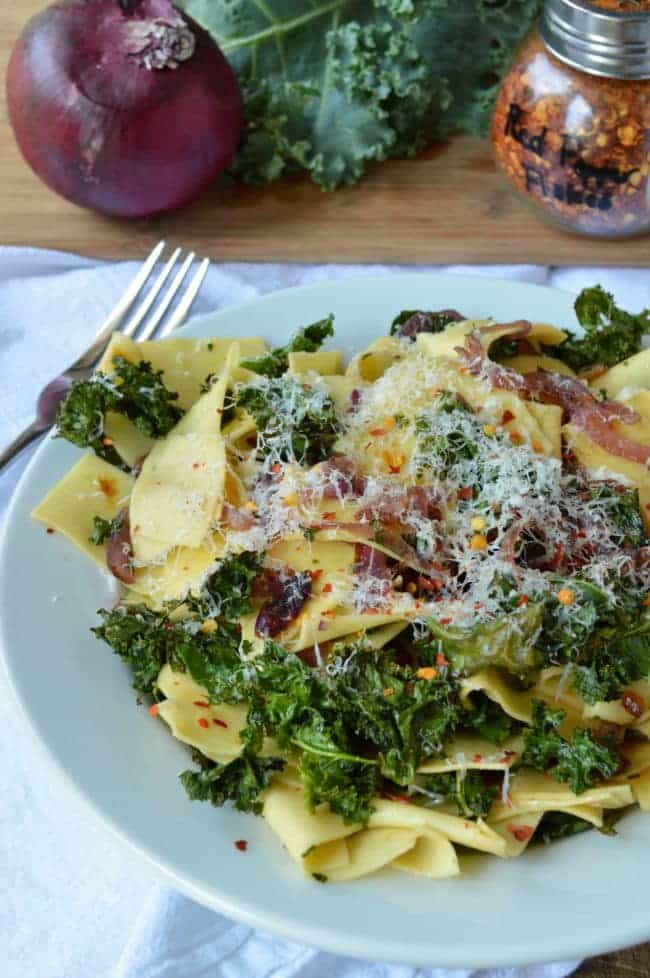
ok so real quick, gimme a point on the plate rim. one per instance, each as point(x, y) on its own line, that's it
point(250, 913)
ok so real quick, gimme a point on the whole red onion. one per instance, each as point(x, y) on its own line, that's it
point(123, 106)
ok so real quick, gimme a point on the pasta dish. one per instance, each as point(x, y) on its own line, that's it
point(400, 607)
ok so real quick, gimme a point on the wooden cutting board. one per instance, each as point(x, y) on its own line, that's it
point(447, 206)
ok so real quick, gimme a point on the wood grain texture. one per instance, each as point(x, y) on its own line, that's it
point(447, 206)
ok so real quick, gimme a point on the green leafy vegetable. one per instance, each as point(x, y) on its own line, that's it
point(507, 642)
point(488, 720)
point(226, 593)
point(559, 825)
point(309, 339)
point(470, 793)
point(579, 762)
point(240, 782)
point(332, 85)
point(435, 322)
point(103, 529)
point(134, 390)
point(611, 334)
point(294, 421)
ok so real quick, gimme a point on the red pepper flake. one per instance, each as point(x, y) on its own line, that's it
point(523, 599)
point(440, 660)
point(506, 417)
point(522, 833)
point(329, 516)
point(378, 432)
point(315, 574)
point(219, 723)
point(201, 703)
point(153, 710)
point(202, 722)
point(633, 703)
point(241, 844)
point(508, 756)
point(477, 758)
point(50, 530)
point(327, 588)
point(108, 487)
point(465, 492)
point(444, 621)
point(428, 585)
point(276, 467)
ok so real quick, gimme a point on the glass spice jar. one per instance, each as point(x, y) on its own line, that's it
point(571, 125)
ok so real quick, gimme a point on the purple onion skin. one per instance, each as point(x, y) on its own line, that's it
point(105, 131)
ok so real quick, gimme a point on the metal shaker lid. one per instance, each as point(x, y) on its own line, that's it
point(614, 43)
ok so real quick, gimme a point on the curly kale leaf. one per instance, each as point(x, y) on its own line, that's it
point(309, 339)
point(581, 762)
point(559, 825)
point(144, 639)
point(227, 591)
point(241, 781)
point(611, 334)
point(488, 720)
point(509, 643)
point(419, 321)
point(471, 794)
point(333, 85)
point(605, 636)
point(103, 529)
point(295, 421)
point(347, 783)
point(134, 390)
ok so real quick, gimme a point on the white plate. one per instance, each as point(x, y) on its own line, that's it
point(577, 897)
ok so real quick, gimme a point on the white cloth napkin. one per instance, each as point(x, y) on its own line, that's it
point(76, 903)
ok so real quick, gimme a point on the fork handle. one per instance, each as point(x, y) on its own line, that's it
point(24, 439)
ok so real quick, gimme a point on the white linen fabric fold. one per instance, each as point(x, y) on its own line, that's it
point(77, 903)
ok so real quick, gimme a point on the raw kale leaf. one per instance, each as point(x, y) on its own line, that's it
point(332, 85)
point(295, 421)
point(611, 334)
point(103, 529)
point(471, 794)
point(240, 782)
point(309, 339)
point(580, 762)
point(134, 390)
point(227, 592)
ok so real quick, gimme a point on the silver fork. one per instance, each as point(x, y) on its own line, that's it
point(55, 392)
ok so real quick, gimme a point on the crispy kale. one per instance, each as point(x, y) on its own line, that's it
point(508, 642)
point(611, 334)
point(103, 529)
point(581, 762)
point(295, 421)
point(559, 825)
point(134, 390)
point(227, 591)
point(241, 782)
point(470, 792)
point(488, 720)
point(309, 339)
point(410, 322)
point(605, 637)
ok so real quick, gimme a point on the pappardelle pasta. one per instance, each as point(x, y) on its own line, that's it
point(400, 608)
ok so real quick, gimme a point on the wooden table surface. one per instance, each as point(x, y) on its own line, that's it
point(449, 205)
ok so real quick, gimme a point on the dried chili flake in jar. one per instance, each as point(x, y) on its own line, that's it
point(571, 125)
